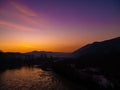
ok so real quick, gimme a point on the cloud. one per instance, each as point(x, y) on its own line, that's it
point(23, 9)
point(20, 17)
point(18, 13)
point(28, 19)
point(16, 26)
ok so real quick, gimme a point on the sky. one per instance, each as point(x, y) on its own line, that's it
point(56, 25)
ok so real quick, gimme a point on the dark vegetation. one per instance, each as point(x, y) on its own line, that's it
point(95, 66)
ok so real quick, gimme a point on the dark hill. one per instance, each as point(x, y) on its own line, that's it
point(103, 57)
point(103, 47)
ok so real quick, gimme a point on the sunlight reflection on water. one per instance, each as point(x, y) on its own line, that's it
point(27, 78)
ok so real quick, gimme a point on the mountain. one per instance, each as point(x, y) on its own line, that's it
point(49, 54)
point(95, 64)
point(104, 47)
point(103, 55)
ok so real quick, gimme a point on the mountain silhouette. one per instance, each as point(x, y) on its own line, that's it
point(104, 55)
point(99, 61)
point(104, 47)
point(49, 54)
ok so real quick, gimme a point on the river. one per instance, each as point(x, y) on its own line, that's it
point(33, 78)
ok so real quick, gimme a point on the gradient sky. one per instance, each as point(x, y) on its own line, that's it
point(56, 25)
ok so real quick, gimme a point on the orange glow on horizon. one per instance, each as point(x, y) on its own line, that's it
point(29, 47)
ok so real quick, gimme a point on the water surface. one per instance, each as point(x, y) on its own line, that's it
point(32, 78)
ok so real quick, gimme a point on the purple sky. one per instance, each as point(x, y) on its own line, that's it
point(56, 25)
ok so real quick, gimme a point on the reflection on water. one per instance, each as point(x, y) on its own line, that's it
point(27, 78)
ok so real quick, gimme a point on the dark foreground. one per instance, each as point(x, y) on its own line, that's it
point(32, 78)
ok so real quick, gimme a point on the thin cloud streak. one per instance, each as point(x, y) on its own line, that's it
point(23, 18)
point(16, 26)
point(23, 9)
point(28, 19)
point(23, 15)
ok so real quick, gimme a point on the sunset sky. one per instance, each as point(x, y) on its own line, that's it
point(56, 25)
